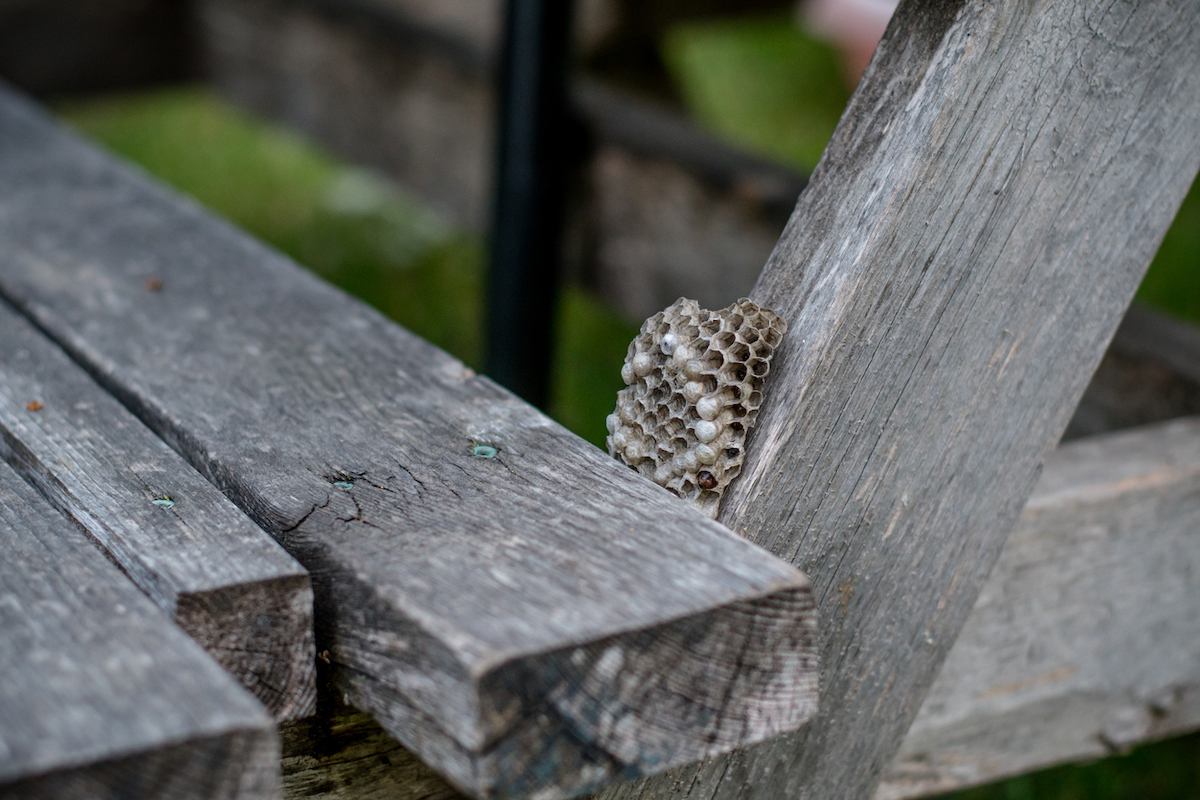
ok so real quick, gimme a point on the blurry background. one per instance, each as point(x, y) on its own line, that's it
point(357, 136)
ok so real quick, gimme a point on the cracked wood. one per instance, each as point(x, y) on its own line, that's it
point(102, 696)
point(950, 277)
point(540, 621)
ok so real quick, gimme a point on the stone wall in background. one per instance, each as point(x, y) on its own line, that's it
point(661, 209)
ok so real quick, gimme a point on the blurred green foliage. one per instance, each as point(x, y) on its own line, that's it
point(1173, 281)
point(354, 229)
point(1169, 770)
point(761, 83)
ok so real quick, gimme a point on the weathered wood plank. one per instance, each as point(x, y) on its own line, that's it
point(1081, 519)
point(102, 697)
point(225, 582)
point(1086, 640)
point(951, 276)
point(520, 610)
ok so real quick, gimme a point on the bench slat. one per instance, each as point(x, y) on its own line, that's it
point(1086, 640)
point(225, 582)
point(543, 620)
point(102, 696)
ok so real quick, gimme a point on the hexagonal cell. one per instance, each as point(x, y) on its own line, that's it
point(693, 389)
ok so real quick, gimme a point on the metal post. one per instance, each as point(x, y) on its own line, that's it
point(532, 162)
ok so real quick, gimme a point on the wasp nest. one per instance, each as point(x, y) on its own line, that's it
point(694, 381)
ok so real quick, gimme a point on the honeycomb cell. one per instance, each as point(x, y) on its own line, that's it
point(694, 386)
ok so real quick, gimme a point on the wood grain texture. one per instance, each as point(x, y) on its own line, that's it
point(1086, 639)
point(950, 277)
point(543, 620)
point(102, 697)
point(225, 581)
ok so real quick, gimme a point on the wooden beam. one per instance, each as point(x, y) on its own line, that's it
point(222, 578)
point(951, 275)
point(102, 696)
point(1109, 511)
point(1086, 640)
point(523, 612)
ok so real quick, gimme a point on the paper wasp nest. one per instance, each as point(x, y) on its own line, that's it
point(694, 382)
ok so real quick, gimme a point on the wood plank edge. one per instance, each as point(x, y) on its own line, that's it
point(231, 623)
point(262, 633)
point(249, 770)
point(612, 709)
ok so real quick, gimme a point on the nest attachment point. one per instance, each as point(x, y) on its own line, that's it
point(694, 381)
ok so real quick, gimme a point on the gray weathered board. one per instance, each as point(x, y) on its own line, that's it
point(102, 696)
point(951, 275)
point(221, 577)
point(530, 619)
point(1086, 640)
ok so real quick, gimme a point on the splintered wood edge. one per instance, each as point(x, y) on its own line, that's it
point(615, 709)
point(262, 634)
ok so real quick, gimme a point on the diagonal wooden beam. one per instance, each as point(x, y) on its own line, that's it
point(951, 276)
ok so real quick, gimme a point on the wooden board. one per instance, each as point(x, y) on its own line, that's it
point(222, 578)
point(1086, 640)
point(522, 611)
point(951, 276)
point(102, 697)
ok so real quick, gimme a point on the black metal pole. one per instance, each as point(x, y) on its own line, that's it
point(531, 183)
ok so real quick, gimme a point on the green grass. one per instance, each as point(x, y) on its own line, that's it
point(761, 83)
point(362, 234)
point(1173, 281)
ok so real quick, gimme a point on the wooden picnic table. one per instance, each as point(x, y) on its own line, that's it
point(344, 517)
